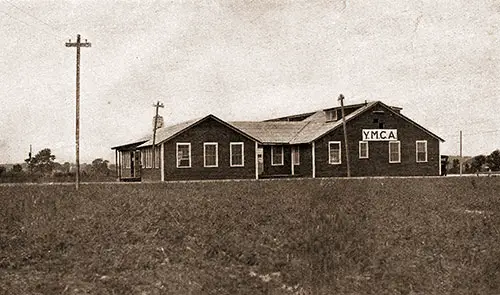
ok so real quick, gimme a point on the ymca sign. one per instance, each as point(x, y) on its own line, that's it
point(379, 134)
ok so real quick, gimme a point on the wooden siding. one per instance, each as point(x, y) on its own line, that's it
point(209, 131)
point(304, 169)
point(150, 174)
point(378, 162)
point(284, 169)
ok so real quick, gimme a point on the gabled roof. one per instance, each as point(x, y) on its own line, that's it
point(276, 132)
point(292, 118)
point(271, 132)
point(169, 132)
point(393, 110)
point(315, 130)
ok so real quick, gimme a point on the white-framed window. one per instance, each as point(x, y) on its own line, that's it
point(296, 155)
point(334, 152)
point(277, 155)
point(183, 155)
point(421, 151)
point(236, 154)
point(394, 152)
point(363, 149)
point(210, 154)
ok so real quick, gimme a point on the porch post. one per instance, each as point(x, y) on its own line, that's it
point(162, 162)
point(439, 155)
point(120, 155)
point(116, 164)
point(256, 161)
point(313, 160)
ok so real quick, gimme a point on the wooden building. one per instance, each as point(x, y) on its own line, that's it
point(381, 140)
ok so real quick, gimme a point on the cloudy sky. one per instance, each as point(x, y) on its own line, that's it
point(242, 60)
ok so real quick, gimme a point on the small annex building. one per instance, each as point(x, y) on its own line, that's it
point(381, 141)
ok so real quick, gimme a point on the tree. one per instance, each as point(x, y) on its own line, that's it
point(42, 162)
point(100, 167)
point(66, 167)
point(455, 167)
point(17, 168)
point(467, 167)
point(493, 160)
point(477, 163)
point(2, 170)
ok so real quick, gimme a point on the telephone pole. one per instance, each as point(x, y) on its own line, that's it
point(157, 105)
point(341, 98)
point(78, 44)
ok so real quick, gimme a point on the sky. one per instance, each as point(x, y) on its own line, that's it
point(242, 60)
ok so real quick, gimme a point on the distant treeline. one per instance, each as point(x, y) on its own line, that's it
point(43, 168)
point(479, 163)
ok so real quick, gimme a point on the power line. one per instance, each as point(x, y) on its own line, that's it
point(468, 123)
point(15, 18)
point(56, 36)
point(32, 16)
point(477, 133)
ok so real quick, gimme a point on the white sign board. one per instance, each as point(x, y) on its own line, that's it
point(379, 134)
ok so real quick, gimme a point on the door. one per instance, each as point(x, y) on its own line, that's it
point(260, 160)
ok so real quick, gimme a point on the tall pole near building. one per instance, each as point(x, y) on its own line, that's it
point(341, 98)
point(78, 44)
point(460, 152)
point(157, 105)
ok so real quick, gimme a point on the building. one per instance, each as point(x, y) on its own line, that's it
point(381, 142)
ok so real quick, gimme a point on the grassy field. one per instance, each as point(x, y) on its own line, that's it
point(335, 236)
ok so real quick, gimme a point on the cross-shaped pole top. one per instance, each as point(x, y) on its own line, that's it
point(159, 105)
point(78, 43)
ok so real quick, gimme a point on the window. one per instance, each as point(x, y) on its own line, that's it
point(394, 152)
point(157, 156)
point(331, 115)
point(237, 155)
point(210, 154)
point(183, 155)
point(296, 155)
point(363, 149)
point(147, 157)
point(334, 152)
point(126, 159)
point(276, 155)
point(421, 151)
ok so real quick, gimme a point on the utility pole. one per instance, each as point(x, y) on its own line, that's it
point(341, 98)
point(157, 105)
point(460, 152)
point(78, 44)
